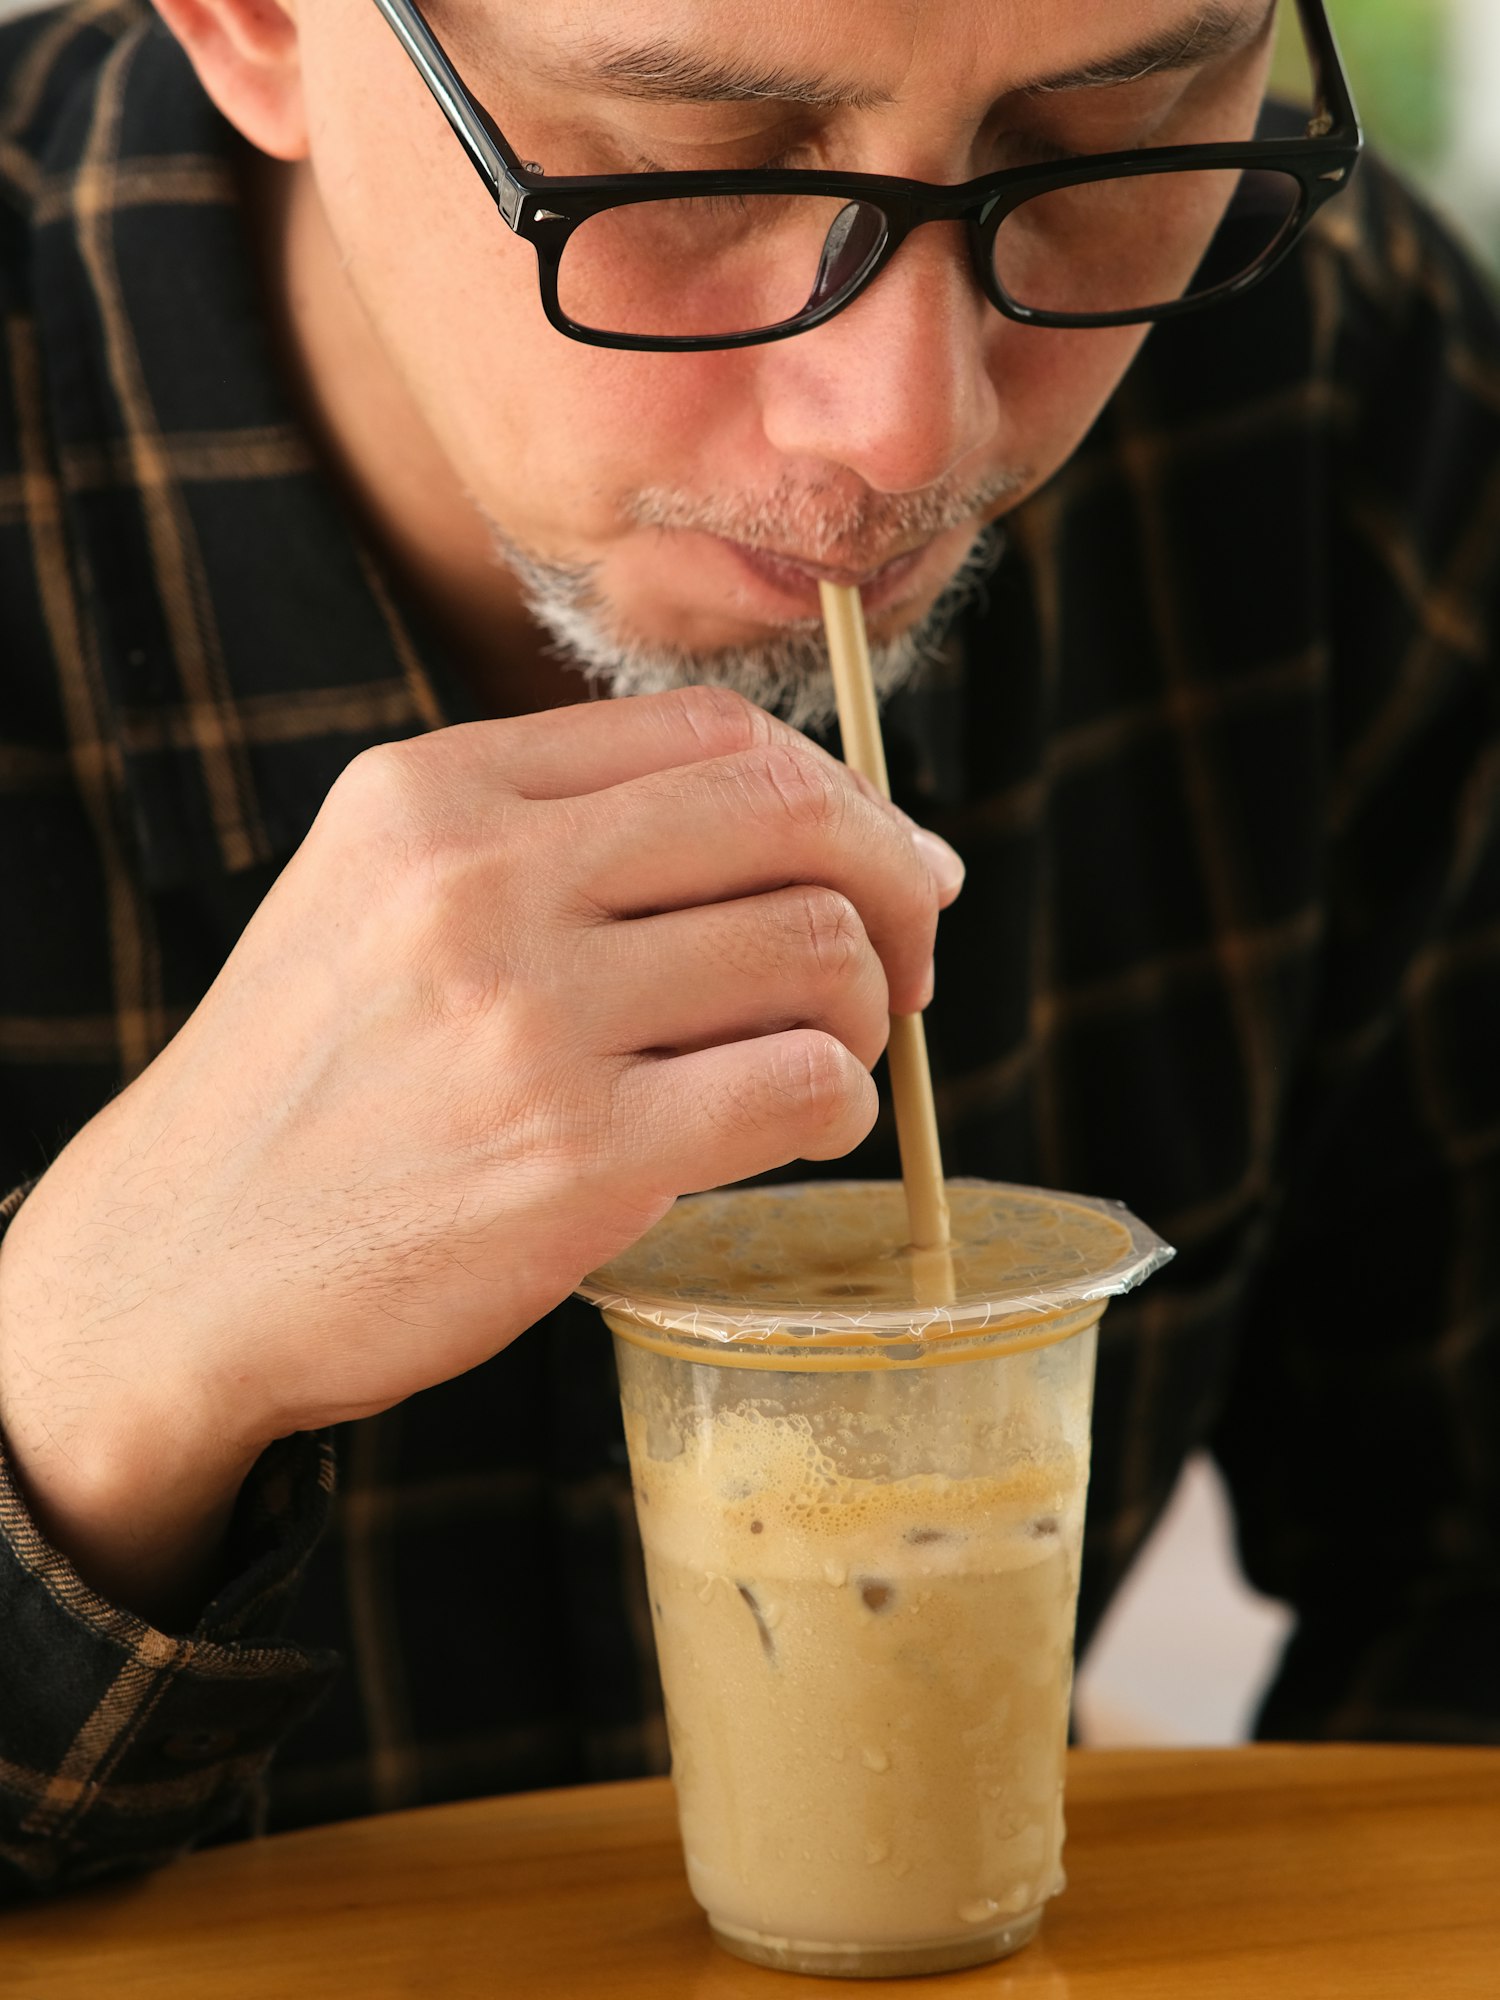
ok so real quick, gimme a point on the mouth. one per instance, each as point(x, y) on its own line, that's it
point(793, 582)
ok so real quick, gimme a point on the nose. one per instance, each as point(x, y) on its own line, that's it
point(898, 387)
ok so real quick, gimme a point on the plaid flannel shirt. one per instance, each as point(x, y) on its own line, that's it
point(1221, 752)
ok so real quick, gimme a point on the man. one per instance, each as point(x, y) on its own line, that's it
point(301, 463)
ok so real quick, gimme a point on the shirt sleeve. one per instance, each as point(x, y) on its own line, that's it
point(121, 1746)
point(1362, 1435)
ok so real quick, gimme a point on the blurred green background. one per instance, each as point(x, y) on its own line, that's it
point(1426, 77)
point(1396, 52)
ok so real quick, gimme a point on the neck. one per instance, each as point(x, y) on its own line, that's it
point(379, 449)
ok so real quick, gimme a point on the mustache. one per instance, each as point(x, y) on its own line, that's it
point(787, 673)
point(827, 522)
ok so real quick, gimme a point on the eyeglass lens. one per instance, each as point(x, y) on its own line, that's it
point(1143, 241)
point(707, 266)
point(715, 264)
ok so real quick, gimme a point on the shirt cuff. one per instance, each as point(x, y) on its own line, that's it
point(120, 1745)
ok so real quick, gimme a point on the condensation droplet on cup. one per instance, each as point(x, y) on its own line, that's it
point(874, 1759)
point(981, 1911)
point(877, 1851)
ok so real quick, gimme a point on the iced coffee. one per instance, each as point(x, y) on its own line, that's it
point(862, 1512)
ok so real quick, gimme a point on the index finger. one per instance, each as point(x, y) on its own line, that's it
point(563, 753)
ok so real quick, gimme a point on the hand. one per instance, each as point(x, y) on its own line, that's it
point(524, 983)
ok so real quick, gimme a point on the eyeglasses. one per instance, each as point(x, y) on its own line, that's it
point(692, 261)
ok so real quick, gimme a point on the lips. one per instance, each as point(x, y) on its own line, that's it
point(793, 579)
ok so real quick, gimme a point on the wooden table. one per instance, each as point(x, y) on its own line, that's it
point(1261, 1874)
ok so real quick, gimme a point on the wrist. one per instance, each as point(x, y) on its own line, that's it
point(132, 1481)
point(141, 1523)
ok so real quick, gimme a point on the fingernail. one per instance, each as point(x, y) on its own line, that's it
point(941, 859)
point(929, 987)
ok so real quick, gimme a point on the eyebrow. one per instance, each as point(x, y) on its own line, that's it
point(665, 72)
point(1218, 32)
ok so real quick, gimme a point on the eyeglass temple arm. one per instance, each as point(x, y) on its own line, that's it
point(460, 110)
point(1334, 105)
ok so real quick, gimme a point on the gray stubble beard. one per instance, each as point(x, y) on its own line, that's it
point(786, 674)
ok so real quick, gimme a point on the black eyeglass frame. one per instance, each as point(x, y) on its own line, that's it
point(546, 210)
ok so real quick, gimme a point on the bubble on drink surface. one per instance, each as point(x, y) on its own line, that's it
point(820, 1520)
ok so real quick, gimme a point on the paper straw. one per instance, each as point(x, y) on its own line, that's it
point(906, 1054)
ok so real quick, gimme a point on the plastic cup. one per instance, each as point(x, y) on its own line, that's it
point(862, 1513)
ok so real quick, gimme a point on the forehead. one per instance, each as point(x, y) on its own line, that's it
point(899, 50)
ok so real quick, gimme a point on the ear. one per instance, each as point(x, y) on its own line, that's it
point(246, 54)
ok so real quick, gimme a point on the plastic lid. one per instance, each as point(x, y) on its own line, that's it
point(826, 1262)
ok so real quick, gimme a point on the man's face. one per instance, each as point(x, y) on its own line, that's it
point(703, 491)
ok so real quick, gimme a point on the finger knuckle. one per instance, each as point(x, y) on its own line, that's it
point(409, 831)
point(722, 721)
point(797, 787)
point(816, 1074)
point(466, 987)
point(376, 791)
point(830, 932)
point(391, 843)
